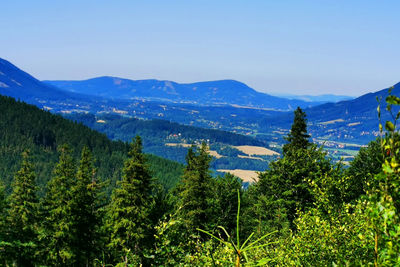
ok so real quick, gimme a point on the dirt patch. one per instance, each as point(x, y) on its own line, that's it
point(211, 152)
point(215, 154)
point(256, 150)
point(250, 157)
point(245, 175)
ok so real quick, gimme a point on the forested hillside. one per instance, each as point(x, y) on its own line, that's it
point(165, 139)
point(305, 210)
point(26, 127)
point(152, 131)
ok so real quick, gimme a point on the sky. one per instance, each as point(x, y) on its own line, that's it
point(274, 46)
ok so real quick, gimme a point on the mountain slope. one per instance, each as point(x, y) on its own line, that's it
point(25, 126)
point(20, 85)
point(205, 93)
point(361, 107)
point(350, 121)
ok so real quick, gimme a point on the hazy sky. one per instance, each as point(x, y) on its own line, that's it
point(277, 46)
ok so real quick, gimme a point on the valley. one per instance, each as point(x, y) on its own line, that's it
point(123, 108)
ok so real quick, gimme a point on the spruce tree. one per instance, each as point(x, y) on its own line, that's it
point(196, 189)
point(130, 206)
point(85, 213)
point(59, 238)
point(23, 215)
point(285, 187)
point(298, 136)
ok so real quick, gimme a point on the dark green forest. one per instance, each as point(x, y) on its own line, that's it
point(25, 127)
point(102, 203)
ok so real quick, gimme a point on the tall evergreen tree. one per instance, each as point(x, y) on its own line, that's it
point(196, 188)
point(23, 214)
point(130, 206)
point(298, 136)
point(285, 187)
point(58, 236)
point(85, 213)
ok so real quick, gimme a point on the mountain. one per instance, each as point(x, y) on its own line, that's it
point(362, 107)
point(326, 98)
point(351, 121)
point(223, 92)
point(20, 85)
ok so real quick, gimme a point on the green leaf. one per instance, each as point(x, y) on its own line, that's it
point(389, 126)
point(393, 100)
point(387, 169)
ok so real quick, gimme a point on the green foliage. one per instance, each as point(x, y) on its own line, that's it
point(57, 234)
point(130, 206)
point(363, 169)
point(285, 188)
point(22, 216)
point(321, 214)
point(85, 211)
point(225, 200)
point(322, 240)
point(155, 133)
point(24, 127)
point(3, 224)
point(195, 189)
point(238, 249)
point(298, 136)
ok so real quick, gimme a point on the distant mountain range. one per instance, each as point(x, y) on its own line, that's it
point(351, 121)
point(223, 92)
point(317, 98)
point(227, 105)
point(361, 107)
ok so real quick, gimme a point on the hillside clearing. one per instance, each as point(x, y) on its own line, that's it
point(245, 175)
point(257, 150)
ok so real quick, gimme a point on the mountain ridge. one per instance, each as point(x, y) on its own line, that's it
point(219, 92)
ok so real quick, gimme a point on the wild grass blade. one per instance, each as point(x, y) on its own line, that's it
point(247, 240)
point(261, 238)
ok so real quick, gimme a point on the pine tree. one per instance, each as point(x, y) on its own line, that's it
point(57, 210)
point(130, 206)
point(196, 189)
point(298, 136)
point(85, 214)
point(23, 214)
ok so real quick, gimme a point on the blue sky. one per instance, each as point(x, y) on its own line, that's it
point(280, 46)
